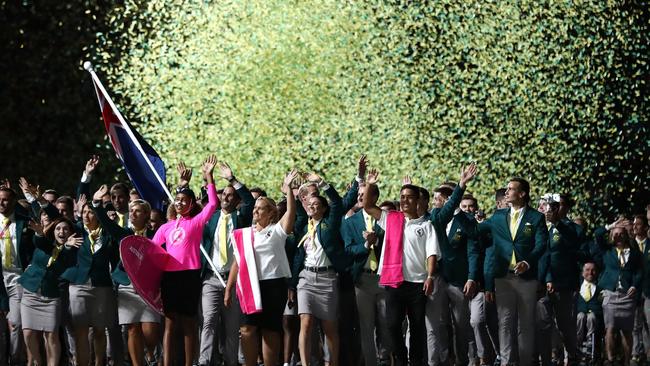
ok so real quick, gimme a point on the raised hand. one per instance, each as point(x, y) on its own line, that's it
point(208, 167)
point(407, 180)
point(91, 165)
point(313, 177)
point(373, 176)
point(184, 173)
point(4, 183)
point(224, 171)
point(74, 241)
point(101, 192)
point(79, 204)
point(466, 174)
point(36, 227)
point(288, 180)
point(362, 166)
point(28, 188)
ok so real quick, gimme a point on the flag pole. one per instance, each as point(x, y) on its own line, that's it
point(88, 66)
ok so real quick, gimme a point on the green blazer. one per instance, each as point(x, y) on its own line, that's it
point(93, 266)
point(563, 250)
point(38, 276)
point(352, 229)
point(530, 244)
point(460, 252)
point(646, 268)
point(630, 275)
point(24, 240)
point(440, 217)
point(594, 305)
point(328, 231)
point(243, 217)
point(116, 233)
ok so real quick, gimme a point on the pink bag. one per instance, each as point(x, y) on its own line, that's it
point(145, 262)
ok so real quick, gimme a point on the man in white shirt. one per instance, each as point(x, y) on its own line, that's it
point(420, 250)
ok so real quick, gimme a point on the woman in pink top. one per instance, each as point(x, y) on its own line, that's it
point(181, 282)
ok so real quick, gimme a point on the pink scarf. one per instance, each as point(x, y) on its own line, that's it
point(393, 251)
point(248, 285)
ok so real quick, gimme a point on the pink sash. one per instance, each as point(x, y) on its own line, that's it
point(248, 285)
point(144, 262)
point(393, 251)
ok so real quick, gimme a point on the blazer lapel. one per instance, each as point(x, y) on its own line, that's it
point(522, 223)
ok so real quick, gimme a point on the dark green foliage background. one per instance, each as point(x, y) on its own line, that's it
point(556, 92)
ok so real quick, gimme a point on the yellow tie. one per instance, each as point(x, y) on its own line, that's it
point(55, 254)
point(513, 233)
point(621, 257)
point(513, 224)
point(311, 230)
point(120, 219)
point(6, 235)
point(372, 257)
point(92, 236)
point(587, 296)
point(642, 246)
point(223, 239)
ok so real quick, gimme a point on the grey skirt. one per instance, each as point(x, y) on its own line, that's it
point(39, 312)
point(318, 294)
point(618, 310)
point(92, 306)
point(132, 309)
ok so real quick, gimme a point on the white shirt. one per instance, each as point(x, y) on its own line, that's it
point(584, 290)
point(315, 256)
point(12, 273)
point(451, 222)
point(270, 256)
point(216, 257)
point(367, 245)
point(420, 242)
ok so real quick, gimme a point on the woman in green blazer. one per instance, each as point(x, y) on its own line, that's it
point(41, 305)
point(93, 301)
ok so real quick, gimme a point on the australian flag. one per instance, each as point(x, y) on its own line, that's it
point(141, 162)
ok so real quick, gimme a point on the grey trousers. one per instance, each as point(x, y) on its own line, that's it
point(220, 329)
point(516, 300)
point(444, 298)
point(589, 329)
point(486, 338)
point(371, 305)
point(557, 310)
point(16, 344)
point(640, 336)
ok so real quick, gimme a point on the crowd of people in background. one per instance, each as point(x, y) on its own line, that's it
point(426, 278)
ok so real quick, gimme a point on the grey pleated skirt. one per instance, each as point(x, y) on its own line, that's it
point(39, 312)
point(318, 294)
point(92, 306)
point(132, 309)
point(618, 310)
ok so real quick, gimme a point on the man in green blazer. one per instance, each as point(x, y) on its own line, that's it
point(562, 277)
point(363, 239)
point(519, 240)
point(455, 280)
point(16, 250)
point(221, 324)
